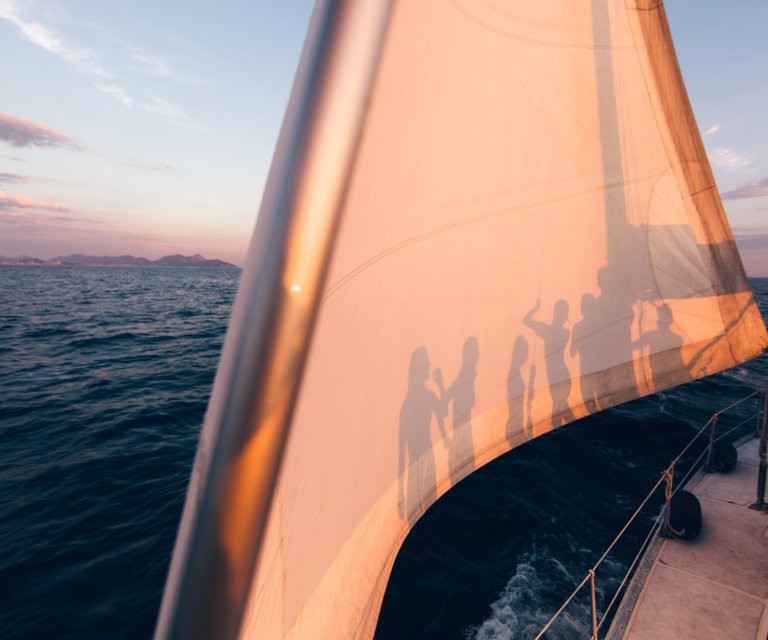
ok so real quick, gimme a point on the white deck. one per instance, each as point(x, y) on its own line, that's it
point(714, 587)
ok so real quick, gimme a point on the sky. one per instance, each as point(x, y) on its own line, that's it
point(147, 128)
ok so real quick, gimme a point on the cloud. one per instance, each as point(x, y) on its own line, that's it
point(713, 129)
point(728, 158)
point(752, 241)
point(172, 112)
point(165, 108)
point(152, 65)
point(84, 59)
point(11, 178)
point(159, 166)
point(116, 92)
point(9, 202)
point(754, 190)
point(25, 133)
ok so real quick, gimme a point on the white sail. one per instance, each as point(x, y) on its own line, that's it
point(531, 212)
point(530, 233)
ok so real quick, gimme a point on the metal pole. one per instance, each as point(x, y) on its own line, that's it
point(594, 603)
point(760, 504)
point(249, 415)
point(708, 467)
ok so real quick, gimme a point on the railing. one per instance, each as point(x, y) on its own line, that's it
point(662, 521)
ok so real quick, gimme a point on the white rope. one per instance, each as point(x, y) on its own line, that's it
point(738, 402)
point(637, 511)
point(560, 610)
point(634, 515)
point(708, 422)
point(640, 552)
point(731, 430)
point(694, 466)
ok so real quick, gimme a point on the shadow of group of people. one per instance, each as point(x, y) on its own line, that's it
point(601, 338)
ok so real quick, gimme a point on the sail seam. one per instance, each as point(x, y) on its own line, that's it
point(543, 43)
point(463, 223)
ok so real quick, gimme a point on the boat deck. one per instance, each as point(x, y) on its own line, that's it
point(714, 587)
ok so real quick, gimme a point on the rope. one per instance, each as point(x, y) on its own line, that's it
point(640, 552)
point(667, 476)
point(708, 422)
point(560, 610)
point(634, 515)
point(693, 468)
point(738, 402)
point(731, 430)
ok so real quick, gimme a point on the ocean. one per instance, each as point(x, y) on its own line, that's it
point(104, 379)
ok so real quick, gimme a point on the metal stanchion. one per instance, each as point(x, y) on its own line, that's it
point(594, 603)
point(760, 504)
point(709, 468)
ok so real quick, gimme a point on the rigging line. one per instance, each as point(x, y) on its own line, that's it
point(597, 564)
point(741, 424)
point(688, 446)
point(694, 464)
point(637, 511)
point(560, 610)
point(634, 515)
point(708, 422)
point(690, 471)
point(640, 552)
point(738, 402)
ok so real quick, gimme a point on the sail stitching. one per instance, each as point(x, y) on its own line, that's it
point(544, 43)
point(463, 223)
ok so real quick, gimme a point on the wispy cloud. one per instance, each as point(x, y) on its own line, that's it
point(12, 178)
point(152, 65)
point(15, 220)
point(751, 241)
point(165, 108)
point(713, 129)
point(82, 58)
point(160, 167)
point(728, 158)
point(126, 57)
point(753, 190)
point(25, 133)
point(9, 202)
point(171, 113)
point(157, 66)
point(116, 92)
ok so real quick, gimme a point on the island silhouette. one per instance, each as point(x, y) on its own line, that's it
point(79, 260)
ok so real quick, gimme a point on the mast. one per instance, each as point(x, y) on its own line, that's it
point(249, 416)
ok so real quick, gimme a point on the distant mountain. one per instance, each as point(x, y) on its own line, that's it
point(79, 260)
point(26, 261)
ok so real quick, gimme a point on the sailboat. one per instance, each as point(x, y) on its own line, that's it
point(484, 220)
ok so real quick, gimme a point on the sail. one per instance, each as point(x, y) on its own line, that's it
point(529, 233)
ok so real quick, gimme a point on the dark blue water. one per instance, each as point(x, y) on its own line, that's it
point(104, 379)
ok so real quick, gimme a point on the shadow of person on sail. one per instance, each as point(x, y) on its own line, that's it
point(585, 342)
point(555, 337)
point(415, 444)
point(461, 392)
point(516, 394)
point(664, 349)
